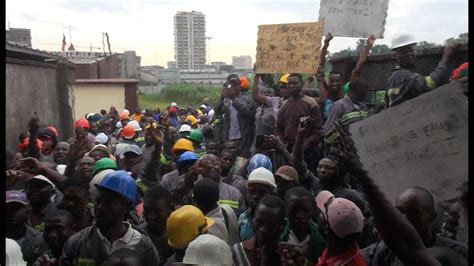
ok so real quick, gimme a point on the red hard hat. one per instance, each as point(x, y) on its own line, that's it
point(55, 131)
point(24, 145)
point(128, 131)
point(82, 122)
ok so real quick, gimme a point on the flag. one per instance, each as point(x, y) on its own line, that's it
point(64, 43)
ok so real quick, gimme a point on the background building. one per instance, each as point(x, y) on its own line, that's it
point(242, 62)
point(19, 36)
point(190, 40)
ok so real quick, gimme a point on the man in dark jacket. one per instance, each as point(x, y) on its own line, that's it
point(404, 83)
point(237, 111)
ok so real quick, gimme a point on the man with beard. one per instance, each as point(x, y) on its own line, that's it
point(404, 83)
point(94, 244)
point(269, 222)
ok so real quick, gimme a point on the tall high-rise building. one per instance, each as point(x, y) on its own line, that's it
point(190, 40)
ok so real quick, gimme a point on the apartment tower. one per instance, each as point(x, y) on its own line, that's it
point(190, 40)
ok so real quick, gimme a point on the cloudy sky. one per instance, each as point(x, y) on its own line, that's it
point(146, 26)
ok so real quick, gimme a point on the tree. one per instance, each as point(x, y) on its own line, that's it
point(360, 45)
point(426, 45)
point(380, 49)
point(462, 38)
point(227, 68)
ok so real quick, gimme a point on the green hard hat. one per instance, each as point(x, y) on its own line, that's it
point(345, 88)
point(196, 135)
point(103, 164)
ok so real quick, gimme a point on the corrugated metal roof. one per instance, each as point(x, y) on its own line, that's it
point(33, 54)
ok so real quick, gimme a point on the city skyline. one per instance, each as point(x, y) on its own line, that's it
point(147, 26)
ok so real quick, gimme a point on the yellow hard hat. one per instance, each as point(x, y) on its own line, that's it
point(182, 145)
point(200, 113)
point(193, 119)
point(185, 224)
point(284, 78)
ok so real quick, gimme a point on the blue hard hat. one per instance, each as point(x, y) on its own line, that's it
point(259, 160)
point(120, 182)
point(187, 156)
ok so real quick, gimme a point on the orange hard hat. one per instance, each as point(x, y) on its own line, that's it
point(244, 83)
point(128, 132)
point(124, 116)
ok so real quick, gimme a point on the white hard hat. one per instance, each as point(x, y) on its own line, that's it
point(185, 128)
point(118, 124)
point(101, 138)
point(173, 104)
point(126, 111)
point(135, 125)
point(401, 40)
point(207, 249)
point(262, 175)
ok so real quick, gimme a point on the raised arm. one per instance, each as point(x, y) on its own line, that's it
point(324, 49)
point(255, 93)
point(363, 57)
point(397, 232)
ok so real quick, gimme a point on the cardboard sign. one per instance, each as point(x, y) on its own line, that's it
point(421, 142)
point(288, 48)
point(354, 18)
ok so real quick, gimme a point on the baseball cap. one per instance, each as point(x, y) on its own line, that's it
point(287, 173)
point(131, 148)
point(343, 216)
point(262, 175)
point(43, 178)
point(207, 249)
point(16, 196)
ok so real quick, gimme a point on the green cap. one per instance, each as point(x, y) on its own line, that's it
point(196, 135)
point(103, 164)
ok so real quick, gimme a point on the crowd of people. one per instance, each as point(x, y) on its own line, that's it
point(267, 175)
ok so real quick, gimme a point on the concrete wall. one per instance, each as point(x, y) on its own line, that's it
point(37, 87)
point(91, 98)
point(378, 67)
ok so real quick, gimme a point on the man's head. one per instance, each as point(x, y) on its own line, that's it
point(269, 219)
point(342, 219)
point(285, 177)
point(58, 229)
point(295, 84)
point(185, 224)
point(99, 151)
point(116, 194)
point(76, 196)
point(213, 147)
point(157, 207)
point(227, 160)
point(404, 47)
point(260, 184)
point(132, 156)
point(211, 167)
point(358, 90)
point(123, 257)
point(94, 129)
point(417, 204)
point(138, 111)
point(335, 82)
point(39, 191)
point(17, 209)
point(299, 206)
point(206, 194)
point(327, 169)
point(60, 152)
point(85, 165)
